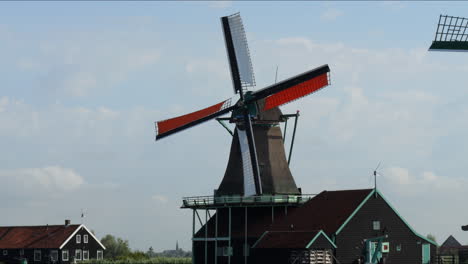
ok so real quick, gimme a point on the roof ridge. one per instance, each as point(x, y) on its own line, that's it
point(349, 190)
point(38, 226)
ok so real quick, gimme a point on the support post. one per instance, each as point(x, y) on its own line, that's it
point(293, 137)
point(285, 129)
point(245, 237)
point(216, 237)
point(193, 236)
point(272, 214)
point(206, 236)
point(229, 242)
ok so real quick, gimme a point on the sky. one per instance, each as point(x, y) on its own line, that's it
point(83, 82)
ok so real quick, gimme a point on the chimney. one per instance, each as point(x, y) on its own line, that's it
point(67, 222)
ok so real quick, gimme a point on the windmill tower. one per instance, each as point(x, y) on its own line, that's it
point(257, 182)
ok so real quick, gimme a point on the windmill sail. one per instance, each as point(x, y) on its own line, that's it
point(293, 88)
point(451, 34)
point(238, 52)
point(170, 126)
point(247, 169)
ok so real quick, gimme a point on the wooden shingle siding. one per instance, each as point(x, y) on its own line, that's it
point(92, 246)
point(321, 243)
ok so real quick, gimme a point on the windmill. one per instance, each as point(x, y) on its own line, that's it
point(255, 114)
point(451, 34)
point(257, 183)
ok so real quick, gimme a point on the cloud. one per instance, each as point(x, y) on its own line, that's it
point(219, 4)
point(331, 14)
point(76, 63)
point(407, 183)
point(46, 179)
point(160, 198)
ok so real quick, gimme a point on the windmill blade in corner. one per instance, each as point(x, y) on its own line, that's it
point(168, 127)
point(293, 88)
point(247, 168)
point(238, 52)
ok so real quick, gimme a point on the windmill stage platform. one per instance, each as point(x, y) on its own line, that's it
point(213, 202)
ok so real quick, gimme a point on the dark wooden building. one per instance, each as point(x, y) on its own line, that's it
point(350, 226)
point(453, 252)
point(49, 244)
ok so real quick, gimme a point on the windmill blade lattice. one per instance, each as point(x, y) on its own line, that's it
point(451, 34)
point(238, 52)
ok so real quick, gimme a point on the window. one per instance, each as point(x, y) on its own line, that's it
point(78, 239)
point(5, 252)
point(376, 225)
point(85, 238)
point(78, 254)
point(37, 255)
point(54, 255)
point(65, 255)
point(398, 247)
point(85, 254)
point(99, 254)
point(21, 252)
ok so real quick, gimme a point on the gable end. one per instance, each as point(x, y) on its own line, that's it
point(377, 192)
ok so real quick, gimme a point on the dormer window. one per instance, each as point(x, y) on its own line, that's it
point(85, 239)
point(78, 239)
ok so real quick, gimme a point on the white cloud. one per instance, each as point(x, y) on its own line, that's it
point(49, 178)
point(220, 4)
point(406, 183)
point(162, 199)
point(77, 63)
point(331, 14)
point(4, 101)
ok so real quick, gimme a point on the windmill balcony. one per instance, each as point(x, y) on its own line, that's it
point(207, 202)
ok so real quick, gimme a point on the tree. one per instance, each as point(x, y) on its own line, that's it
point(431, 237)
point(150, 253)
point(115, 247)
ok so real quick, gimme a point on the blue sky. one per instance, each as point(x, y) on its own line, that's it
point(83, 83)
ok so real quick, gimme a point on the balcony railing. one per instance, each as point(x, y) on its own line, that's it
point(214, 201)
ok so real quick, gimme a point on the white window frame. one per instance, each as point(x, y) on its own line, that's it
point(5, 252)
point(85, 239)
point(87, 254)
point(65, 252)
point(76, 254)
point(376, 225)
point(52, 253)
point(40, 255)
point(99, 254)
point(78, 239)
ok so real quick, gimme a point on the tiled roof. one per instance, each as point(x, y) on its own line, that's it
point(51, 236)
point(286, 239)
point(327, 211)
